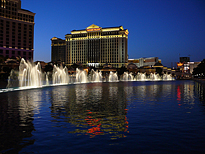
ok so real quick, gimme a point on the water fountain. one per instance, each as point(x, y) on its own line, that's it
point(30, 75)
point(141, 77)
point(127, 77)
point(95, 76)
point(155, 77)
point(81, 76)
point(113, 77)
point(13, 79)
point(60, 75)
point(167, 76)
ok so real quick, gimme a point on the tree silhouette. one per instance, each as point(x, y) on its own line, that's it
point(200, 69)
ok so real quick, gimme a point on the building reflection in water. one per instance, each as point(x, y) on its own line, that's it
point(16, 122)
point(185, 95)
point(101, 108)
point(93, 109)
point(89, 109)
point(199, 89)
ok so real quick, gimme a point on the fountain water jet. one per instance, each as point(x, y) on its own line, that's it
point(29, 74)
point(60, 75)
point(81, 76)
point(167, 76)
point(155, 77)
point(13, 79)
point(113, 77)
point(127, 76)
point(95, 76)
point(141, 77)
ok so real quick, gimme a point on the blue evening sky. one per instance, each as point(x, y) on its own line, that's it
point(157, 28)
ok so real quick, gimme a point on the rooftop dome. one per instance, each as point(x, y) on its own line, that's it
point(131, 66)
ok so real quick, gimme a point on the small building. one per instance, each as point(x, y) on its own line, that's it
point(141, 62)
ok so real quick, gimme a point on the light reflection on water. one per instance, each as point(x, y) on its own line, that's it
point(94, 109)
point(143, 116)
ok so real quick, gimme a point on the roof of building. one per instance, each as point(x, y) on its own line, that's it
point(131, 66)
point(158, 64)
point(98, 28)
point(26, 10)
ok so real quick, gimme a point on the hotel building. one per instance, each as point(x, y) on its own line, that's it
point(16, 30)
point(94, 46)
point(58, 50)
point(142, 62)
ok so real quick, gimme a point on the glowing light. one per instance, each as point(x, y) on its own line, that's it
point(179, 64)
point(93, 29)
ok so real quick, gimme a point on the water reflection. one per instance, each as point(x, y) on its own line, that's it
point(94, 109)
point(200, 91)
point(185, 95)
point(16, 122)
point(101, 108)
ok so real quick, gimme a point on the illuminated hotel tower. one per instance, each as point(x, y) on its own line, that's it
point(95, 46)
point(16, 30)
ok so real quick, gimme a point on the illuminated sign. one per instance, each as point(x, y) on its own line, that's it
point(180, 64)
point(126, 33)
point(93, 29)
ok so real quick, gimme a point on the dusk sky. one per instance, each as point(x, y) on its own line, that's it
point(157, 28)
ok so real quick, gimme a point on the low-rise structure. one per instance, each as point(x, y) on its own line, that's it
point(141, 62)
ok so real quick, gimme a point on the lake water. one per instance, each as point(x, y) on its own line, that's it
point(118, 117)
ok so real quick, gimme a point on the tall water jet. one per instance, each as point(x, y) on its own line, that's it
point(81, 76)
point(95, 76)
point(60, 75)
point(155, 77)
point(127, 76)
point(167, 76)
point(13, 79)
point(141, 77)
point(30, 74)
point(113, 77)
point(47, 80)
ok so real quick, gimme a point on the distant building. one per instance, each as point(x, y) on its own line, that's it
point(187, 67)
point(16, 30)
point(192, 65)
point(95, 46)
point(141, 62)
point(58, 48)
point(184, 59)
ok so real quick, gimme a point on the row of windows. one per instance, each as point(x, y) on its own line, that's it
point(14, 24)
point(8, 3)
point(95, 34)
point(13, 52)
point(14, 16)
point(97, 46)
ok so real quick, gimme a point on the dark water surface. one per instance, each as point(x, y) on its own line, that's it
point(123, 117)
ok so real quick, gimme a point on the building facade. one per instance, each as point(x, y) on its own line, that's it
point(16, 30)
point(96, 46)
point(58, 47)
point(187, 67)
point(184, 59)
point(141, 62)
